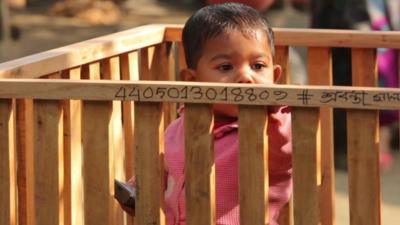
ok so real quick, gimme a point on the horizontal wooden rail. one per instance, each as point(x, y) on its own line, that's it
point(74, 55)
point(243, 94)
point(319, 37)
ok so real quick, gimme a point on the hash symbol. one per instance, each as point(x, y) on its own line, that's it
point(304, 96)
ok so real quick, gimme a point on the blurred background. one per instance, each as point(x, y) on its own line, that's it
point(32, 26)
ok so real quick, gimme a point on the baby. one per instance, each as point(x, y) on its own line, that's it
point(229, 43)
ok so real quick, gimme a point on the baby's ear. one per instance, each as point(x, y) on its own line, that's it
point(187, 75)
point(277, 73)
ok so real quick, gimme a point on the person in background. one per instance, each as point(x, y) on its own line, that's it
point(263, 5)
point(360, 15)
point(260, 5)
point(385, 16)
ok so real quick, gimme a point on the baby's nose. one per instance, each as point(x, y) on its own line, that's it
point(244, 77)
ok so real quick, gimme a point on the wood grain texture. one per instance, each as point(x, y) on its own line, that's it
point(181, 56)
point(173, 75)
point(98, 168)
point(202, 92)
point(110, 70)
point(67, 191)
point(129, 71)
point(48, 162)
point(66, 183)
point(8, 163)
point(282, 59)
point(363, 147)
point(306, 165)
point(199, 165)
point(73, 155)
point(320, 73)
point(318, 37)
point(129, 66)
point(103, 47)
point(149, 121)
point(75, 55)
point(25, 168)
point(160, 70)
point(144, 65)
point(253, 165)
point(149, 164)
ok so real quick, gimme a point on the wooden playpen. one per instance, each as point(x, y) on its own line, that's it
point(99, 109)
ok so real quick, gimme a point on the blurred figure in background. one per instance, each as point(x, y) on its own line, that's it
point(385, 16)
point(260, 5)
point(263, 5)
point(339, 14)
point(360, 15)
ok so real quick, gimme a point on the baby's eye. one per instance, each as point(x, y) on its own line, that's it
point(258, 66)
point(225, 67)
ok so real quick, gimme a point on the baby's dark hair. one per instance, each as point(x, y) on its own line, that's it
point(213, 20)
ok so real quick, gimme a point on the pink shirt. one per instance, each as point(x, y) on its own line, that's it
point(226, 162)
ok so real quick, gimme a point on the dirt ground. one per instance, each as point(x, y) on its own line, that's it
point(40, 32)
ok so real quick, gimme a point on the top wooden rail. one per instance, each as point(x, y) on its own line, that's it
point(134, 39)
point(319, 37)
point(81, 53)
point(195, 92)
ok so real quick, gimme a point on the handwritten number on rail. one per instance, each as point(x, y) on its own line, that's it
point(198, 94)
point(134, 93)
point(121, 93)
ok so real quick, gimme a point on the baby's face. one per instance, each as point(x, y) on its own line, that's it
point(236, 58)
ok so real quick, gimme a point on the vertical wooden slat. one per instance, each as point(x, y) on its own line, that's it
point(253, 165)
point(66, 187)
point(129, 66)
point(320, 73)
point(144, 70)
point(363, 147)
point(181, 55)
point(171, 76)
point(111, 71)
point(199, 165)
point(159, 70)
point(129, 71)
point(25, 175)
point(173, 60)
point(149, 165)
point(97, 157)
point(48, 162)
point(149, 123)
point(282, 58)
point(8, 163)
point(73, 162)
point(159, 63)
point(67, 155)
point(305, 129)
